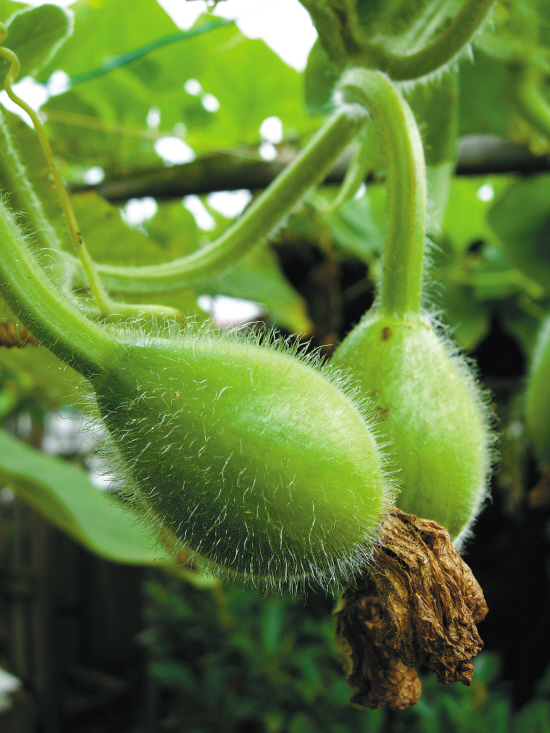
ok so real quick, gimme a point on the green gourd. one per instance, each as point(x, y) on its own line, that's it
point(259, 462)
point(537, 398)
point(429, 406)
point(431, 412)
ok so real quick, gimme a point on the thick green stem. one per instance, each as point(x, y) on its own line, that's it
point(524, 85)
point(360, 165)
point(449, 42)
point(259, 221)
point(406, 194)
point(43, 310)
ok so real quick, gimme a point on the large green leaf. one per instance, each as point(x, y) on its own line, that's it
point(466, 260)
point(39, 367)
point(248, 80)
point(8, 8)
point(63, 494)
point(112, 241)
point(106, 29)
point(35, 34)
point(521, 218)
point(484, 104)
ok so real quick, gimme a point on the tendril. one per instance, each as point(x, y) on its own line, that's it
point(109, 309)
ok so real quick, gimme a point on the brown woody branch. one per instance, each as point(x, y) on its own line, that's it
point(478, 155)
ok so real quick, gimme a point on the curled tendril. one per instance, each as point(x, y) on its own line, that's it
point(108, 308)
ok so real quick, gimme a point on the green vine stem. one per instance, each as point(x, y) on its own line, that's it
point(47, 314)
point(524, 81)
point(359, 167)
point(108, 308)
point(452, 39)
point(401, 288)
point(22, 196)
point(95, 284)
point(327, 25)
point(258, 223)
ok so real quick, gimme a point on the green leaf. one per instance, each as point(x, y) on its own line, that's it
point(320, 79)
point(116, 62)
point(468, 319)
point(39, 367)
point(62, 493)
point(435, 107)
point(35, 35)
point(248, 80)
point(111, 240)
point(469, 263)
point(484, 105)
point(258, 277)
point(521, 218)
point(101, 30)
point(8, 8)
point(356, 226)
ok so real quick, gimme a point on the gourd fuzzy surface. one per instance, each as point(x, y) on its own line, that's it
point(431, 410)
point(258, 461)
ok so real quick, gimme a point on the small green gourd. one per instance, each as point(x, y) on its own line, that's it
point(253, 458)
point(431, 412)
point(537, 397)
point(429, 406)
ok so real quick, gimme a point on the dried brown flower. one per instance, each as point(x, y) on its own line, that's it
point(418, 604)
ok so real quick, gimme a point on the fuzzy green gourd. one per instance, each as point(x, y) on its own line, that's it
point(428, 404)
point(431, 412)
point(537, 397)
point(248, 455)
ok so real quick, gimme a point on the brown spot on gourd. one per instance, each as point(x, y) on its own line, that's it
point(386, 333)
point(382, 413)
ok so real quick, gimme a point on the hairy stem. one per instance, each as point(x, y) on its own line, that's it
point(44, 311)
point(449, 42)
point(22, 197)
point(96, 286)
point(406, 196)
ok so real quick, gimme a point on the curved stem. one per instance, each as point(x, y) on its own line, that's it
point(95, 283)
point(360, 165)
point(22, 197)
point(43, 310)
point(524, 85)
point(259, 222)
point(109, 309)
point(448, 43)
point(328, 28)
point(406, 194)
